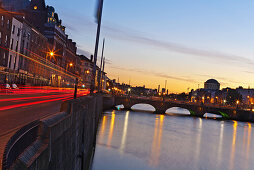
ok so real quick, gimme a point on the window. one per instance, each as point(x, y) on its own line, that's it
point(13, 29)
point(18, 34)
point(8, 24)
point(2, 20)
point(6, 40)
point(12, 44)
point(17, 45)
point(10, 61)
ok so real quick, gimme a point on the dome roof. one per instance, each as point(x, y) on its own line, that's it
point(213, 81)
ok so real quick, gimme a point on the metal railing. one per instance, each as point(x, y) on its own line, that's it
point(19, 142)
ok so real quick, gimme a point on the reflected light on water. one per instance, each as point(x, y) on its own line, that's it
point(232, 158)
point(156, 146)
point(111, 130)
point(103, 127)
point(248, 146)
point(198, 143)
point(219, 156)
point(125, 129)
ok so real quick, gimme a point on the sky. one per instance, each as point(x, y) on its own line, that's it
point(184, 42)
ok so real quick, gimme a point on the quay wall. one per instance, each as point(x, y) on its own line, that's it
point(64, 141)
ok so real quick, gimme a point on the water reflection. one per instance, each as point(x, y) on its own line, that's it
point(232, 158)
point(125, 129)
point(134, 140)
point(198, 143)
point(248, 146)
point(156, 146)
point(220, 146)
point(111, 130)
point(103, 126)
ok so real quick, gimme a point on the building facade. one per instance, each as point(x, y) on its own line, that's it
point(5, 33)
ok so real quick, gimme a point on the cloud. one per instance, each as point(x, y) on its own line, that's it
point(156, 74)
point(126, 34)
point(134, 36)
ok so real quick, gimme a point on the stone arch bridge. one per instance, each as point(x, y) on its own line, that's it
point(195, 109)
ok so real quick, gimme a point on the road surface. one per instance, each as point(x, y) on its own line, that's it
point(19, 109)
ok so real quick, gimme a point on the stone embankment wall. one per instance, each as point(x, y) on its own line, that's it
point(64, 141)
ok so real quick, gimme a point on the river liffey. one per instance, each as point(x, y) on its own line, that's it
point(141, 140)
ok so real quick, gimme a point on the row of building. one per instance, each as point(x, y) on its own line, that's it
point(35, 50)
point(211, 93)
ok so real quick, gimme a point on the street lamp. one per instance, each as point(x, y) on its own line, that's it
point(70, 64)
point(237, 102)
point(51, 54)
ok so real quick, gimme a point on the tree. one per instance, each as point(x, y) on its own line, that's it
point(233, 96)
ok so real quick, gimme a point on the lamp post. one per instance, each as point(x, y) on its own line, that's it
point(98, 17)
point(51, 54)
point(237, 103)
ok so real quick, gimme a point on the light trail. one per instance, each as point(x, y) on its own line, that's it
point(37, 97)
point(32, 103)
point(40, 90)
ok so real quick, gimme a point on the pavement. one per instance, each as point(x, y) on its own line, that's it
point(17, 110)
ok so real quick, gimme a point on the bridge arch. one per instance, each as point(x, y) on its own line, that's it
point(143, 106)
point(178, 110)
point(212, 115)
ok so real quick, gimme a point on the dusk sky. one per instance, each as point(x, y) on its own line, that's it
point(184, 42)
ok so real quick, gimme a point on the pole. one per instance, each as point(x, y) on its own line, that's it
point(99, 75)
point(76, 88)
point(103, 67)
point(165, 85)
point(96, 47)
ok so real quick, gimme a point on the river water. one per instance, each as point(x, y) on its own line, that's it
point(142, 140)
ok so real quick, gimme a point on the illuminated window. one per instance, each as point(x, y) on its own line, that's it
point(35, 7)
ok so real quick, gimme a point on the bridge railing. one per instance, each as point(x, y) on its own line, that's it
point(19, 142)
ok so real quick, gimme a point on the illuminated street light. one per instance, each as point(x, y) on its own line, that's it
point(51, 54)
point(237, 102)
point(71, 64)
point(129, 89)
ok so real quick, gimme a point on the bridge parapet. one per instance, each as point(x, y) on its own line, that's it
point(195, 109)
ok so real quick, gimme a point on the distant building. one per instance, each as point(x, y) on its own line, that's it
point(5, 33)
point(247, 95)
point(86, 68)
point(212, 84)
point(208, 94)
point(15, 42)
